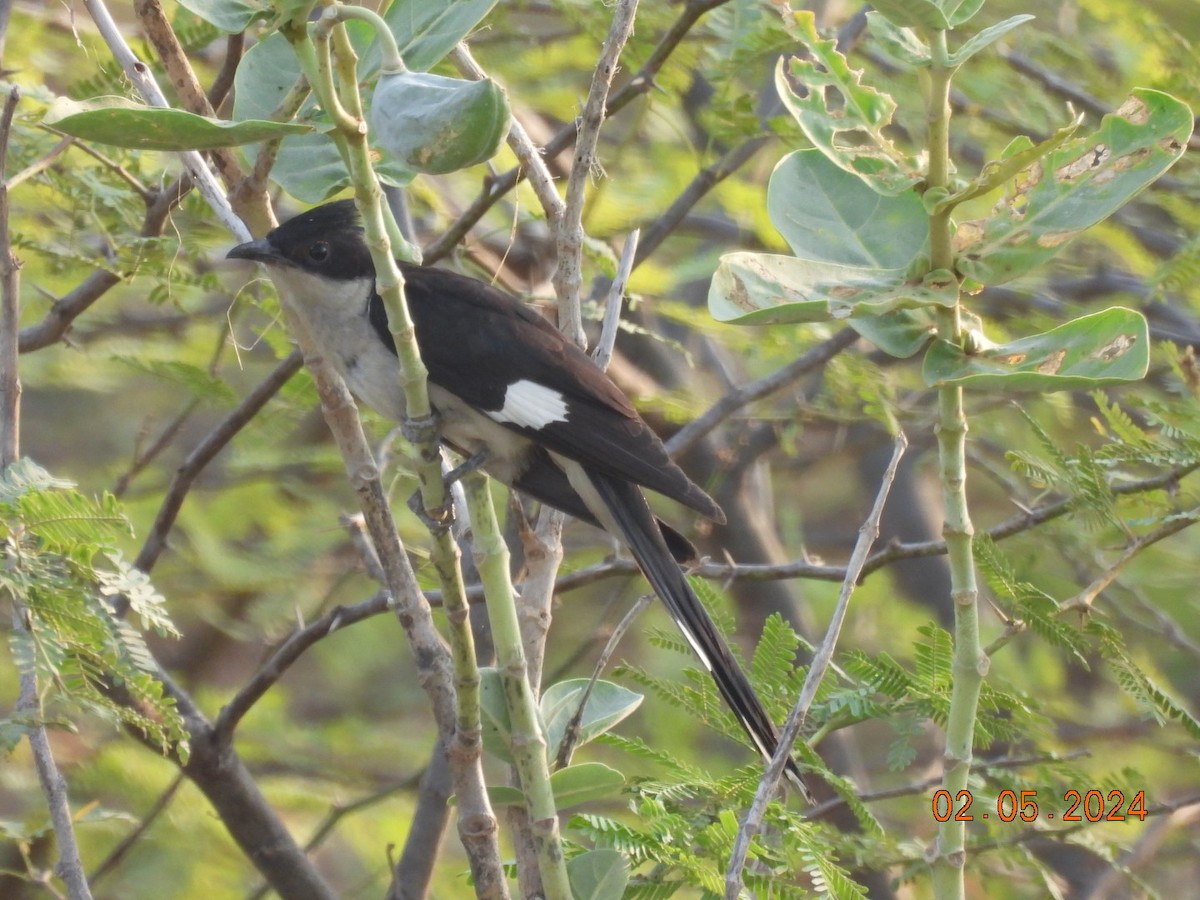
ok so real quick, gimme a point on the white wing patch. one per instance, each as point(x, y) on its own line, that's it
point(531, 405)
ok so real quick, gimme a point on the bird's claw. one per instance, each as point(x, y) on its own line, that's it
point(438, 521)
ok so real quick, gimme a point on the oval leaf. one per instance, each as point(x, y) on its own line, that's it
point(1103, 348)
point(600, 874)
point(827, 214)
point(493, 715)
point(766, 289)
point(428, 31)
point(1075, 186)
point(607, 705)
point(123, 123)
point(585, 782)
point(901, 334)
point(988, 36)
point(230, 16)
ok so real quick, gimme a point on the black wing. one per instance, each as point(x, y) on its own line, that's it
point(476, 341)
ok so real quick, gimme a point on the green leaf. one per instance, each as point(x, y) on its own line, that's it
point(24, 476)
point(933, 15)
point(763, 288)
point(600, 874)
point(901, 333)
point(959, 11)
point(1074, 187)
point(585, 782)
point(505, 795)
point(433, 124)
point(988, 36)
point(426, 31)
point(829, 215)
point(123, 123)
point(902, 44)
point(607, 705)
point(230, 16)
point(1020, 153)
point(1103, 348)
point(493, 714)
point(913, 13)
point(847, 127)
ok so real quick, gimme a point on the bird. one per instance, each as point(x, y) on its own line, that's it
point(515, 396)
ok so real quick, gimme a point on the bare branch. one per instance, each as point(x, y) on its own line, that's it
point(640, 84)
point(685, 438)
point(203, 454)
point(867, 535)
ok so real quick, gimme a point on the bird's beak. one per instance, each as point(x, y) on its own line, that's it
point(257, 251)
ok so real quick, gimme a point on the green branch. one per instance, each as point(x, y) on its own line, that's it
point(528, 739)
point(969, 664)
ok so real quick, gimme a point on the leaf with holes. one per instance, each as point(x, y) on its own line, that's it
point(1073, 187)
point(1104, 348)
point(768, 289)
point(844, 118)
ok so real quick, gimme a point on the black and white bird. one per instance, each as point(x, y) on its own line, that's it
point(507, 384)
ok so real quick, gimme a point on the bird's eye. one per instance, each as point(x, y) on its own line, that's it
point(319, 252)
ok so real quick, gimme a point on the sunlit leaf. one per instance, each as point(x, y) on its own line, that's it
point(1103, 348)
point(986, 37)
point(607, 704)
point(1020, 153)
point(1075, 186)
point(230, 16)
point(584, 782)
point(844, 118)
point(764, 288)
point(123, 123)
point(829, 215)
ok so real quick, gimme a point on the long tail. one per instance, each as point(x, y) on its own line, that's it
point(631, 515)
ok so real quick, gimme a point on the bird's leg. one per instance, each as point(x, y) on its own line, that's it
point(466, 468)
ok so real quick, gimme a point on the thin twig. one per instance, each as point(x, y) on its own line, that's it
point(29, 705)
point(867, 535)
point(203, 453)
point(562, 755)
point(533, 165)
point(139, 73)
point(602, 352)
point(685, 438)
point(569, 237)
point(640, 84)
point(119, 852)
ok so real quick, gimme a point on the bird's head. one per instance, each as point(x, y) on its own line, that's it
point(326, 241)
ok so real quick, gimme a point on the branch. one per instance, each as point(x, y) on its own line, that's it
point(72, 304)
point(641, 83)
point(179, 70)
point(29, 705)
point(570, 235)
point(139, 73)
point(687, 436)
point(202, 455)
point(867, 535)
